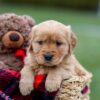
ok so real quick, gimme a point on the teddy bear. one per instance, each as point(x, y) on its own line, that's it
point(14, 40)
point(14, 31)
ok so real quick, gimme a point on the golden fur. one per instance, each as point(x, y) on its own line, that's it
point(59, 40)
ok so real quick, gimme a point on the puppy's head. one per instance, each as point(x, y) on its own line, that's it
point(51, 42)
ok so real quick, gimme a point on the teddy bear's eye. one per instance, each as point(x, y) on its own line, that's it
point(58, 43)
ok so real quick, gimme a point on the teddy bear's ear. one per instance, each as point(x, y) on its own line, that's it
point(30, 20)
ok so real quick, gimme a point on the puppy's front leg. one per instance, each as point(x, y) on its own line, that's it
point(26, 81)
point(53, 80)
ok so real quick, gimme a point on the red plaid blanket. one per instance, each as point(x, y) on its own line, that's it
point(9, 83)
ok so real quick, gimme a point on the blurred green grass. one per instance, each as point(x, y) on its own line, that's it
point(85, 24)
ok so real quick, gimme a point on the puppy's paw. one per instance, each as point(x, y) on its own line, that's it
point(25, 87)
point(52, 85)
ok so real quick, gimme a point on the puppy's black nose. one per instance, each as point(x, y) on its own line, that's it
point(14, 37)
point(48, 56)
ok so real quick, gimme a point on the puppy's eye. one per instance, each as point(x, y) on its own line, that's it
point(40, 42)
point(58, 43)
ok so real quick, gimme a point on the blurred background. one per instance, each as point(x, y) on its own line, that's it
point(82, 15)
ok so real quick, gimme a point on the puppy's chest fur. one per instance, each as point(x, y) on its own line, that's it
point(41, 70)
point(68, 68)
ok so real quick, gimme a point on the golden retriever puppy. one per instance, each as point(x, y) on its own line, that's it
point(50, 53)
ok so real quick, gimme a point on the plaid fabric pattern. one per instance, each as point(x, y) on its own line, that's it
point(9, 82)
point(4, 96)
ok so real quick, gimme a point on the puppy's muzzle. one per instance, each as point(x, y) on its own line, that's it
point(48, 56)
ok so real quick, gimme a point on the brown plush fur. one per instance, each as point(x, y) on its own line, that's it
point(59, 40)
point(20, 25)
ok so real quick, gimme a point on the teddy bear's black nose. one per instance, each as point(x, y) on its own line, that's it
point(14, 37)
point(48, 56)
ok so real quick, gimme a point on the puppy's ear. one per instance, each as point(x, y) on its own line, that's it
point(31, 38)
point(72, 37)
point(30, 48)
point(31, 35)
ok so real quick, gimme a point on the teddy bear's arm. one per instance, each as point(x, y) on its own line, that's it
point(3, 66)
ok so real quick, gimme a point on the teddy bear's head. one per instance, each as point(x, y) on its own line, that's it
point(14, 31)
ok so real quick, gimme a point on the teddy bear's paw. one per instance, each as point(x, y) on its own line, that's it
point(25, 87)
point(52, 85)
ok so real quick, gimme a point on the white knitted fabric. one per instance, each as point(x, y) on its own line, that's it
point(71, 88)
